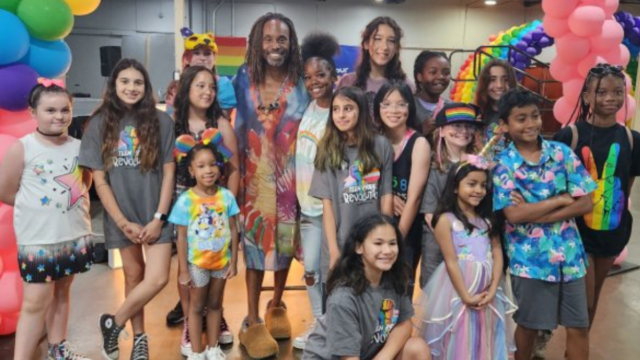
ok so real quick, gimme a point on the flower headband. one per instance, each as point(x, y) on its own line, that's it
point(480, 160)
point(186, 143)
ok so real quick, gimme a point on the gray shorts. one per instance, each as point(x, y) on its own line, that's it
point(544, 305)
point(200, 277)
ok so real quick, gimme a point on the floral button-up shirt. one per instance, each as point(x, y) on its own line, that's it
point(551, 252)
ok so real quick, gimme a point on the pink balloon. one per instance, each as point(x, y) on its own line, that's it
point(562, 71)
point(562, 111)
point(627, 82)
point(610, 7)
point(622, 257)
point(628, 111)
point(586, 64)
point(572, 48)
point(587, 21)
point(5, 142)
point(625, 56)
point(1, 267)
point(559, 9)
point(555, 27)
point(9, 322)
point(19, 129)
point(599, 3)
point(571, 90)
point(11, 299)
point(611, 36)
point(7, 234)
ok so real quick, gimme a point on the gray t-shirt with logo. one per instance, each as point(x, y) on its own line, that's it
point(137, 193)
point(352, 193)
point(357, 325)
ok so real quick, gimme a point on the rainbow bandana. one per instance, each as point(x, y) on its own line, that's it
point(185, 143)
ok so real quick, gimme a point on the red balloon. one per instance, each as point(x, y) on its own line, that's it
point(7, 234)
point(11, 299)
point(559, 9)
point(572, 48)
point(9, 322)
point(587, 21)
point(1, 267)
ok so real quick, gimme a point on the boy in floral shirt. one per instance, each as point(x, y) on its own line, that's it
point(540, 186)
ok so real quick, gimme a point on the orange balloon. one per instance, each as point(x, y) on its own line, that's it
point(83, 7)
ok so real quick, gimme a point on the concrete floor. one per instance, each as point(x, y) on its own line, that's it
point(614, 336)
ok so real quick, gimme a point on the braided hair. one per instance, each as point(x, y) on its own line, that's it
point(597, 73)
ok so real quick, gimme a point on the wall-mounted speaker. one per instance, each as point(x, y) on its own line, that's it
point(109, 57)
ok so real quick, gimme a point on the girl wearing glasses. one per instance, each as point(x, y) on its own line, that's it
point(394, 106)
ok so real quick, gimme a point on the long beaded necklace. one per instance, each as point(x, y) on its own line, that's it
point(265, 112)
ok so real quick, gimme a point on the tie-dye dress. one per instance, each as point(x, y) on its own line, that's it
point(455, 331)
point(266, 144)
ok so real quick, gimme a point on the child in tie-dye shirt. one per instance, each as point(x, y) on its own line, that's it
point(207, 243)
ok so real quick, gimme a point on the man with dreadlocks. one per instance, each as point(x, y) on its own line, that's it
point(271, 100)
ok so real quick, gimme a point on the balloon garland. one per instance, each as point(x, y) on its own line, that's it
point(31, 39)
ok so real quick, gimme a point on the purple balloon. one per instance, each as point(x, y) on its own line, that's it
point(544, 42)
point(630, 23)
point(618, 16)
point(634, 36)
point(520, 65)
point(537, 34)
point(521, 45)
point(532, 51)
point(17, 82)
point(636, 21)
point(527, 38)
point(520, 57)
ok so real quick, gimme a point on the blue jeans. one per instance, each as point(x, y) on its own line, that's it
point(311, 241)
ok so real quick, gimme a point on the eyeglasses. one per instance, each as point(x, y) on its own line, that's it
point(387, 106)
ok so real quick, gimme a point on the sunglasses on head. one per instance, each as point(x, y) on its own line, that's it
point(606, 68)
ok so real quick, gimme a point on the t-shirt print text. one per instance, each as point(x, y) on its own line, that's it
point(358, 187)
point(128, 150)
point(387, 319)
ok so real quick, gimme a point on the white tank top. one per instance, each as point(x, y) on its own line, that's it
point(52, 204)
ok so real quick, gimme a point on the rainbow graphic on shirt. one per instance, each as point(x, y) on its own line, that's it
point(387, 319)
point(608, 198)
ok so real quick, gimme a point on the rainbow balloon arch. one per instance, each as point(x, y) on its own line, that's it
point(31, 39)
point(519, 44)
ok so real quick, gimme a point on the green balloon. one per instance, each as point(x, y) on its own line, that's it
point(9, 5)
point(46, 19)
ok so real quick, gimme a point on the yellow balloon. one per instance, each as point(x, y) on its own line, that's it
point(83, 7)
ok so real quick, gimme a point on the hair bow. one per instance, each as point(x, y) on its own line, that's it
point(186, 143)
point(49, 82)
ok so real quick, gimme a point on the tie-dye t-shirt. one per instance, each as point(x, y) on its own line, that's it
point(609, 159)
point(207, 222)
point(551, 252)
point(357, 325)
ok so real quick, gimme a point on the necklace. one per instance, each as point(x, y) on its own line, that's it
point(275, 105)
point(49, 135)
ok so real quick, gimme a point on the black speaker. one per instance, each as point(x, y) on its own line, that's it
point(109, 57)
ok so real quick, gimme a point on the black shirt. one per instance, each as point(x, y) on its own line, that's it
point(609, 159)
point(401, 175)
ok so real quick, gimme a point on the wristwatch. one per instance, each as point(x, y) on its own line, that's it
point(160, 216)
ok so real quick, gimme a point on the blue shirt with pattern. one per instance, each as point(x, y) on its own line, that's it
point(551, 252)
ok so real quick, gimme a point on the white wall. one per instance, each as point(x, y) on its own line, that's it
point(434, 24)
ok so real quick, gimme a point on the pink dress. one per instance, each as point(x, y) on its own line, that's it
point(455, 331)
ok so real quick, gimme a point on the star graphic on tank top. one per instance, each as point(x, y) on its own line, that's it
point(72, 182)
point(45, 201)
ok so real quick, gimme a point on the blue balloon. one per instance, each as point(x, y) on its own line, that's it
point(14, 38)
point(50, 59)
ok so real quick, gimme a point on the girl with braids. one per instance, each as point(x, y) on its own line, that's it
point(432, 74)
point(611, 154)
point(354, 169)
point(197, 109)
point(368, 311)
point(129, 146)
point(319, 76)
point(271, 100)
point(380, 60)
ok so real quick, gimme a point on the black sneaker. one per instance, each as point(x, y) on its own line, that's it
point(175, 316)
point(140, 349)
point(110, 333)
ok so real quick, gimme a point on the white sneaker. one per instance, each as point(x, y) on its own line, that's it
point(540, 345)
point(215, 353)
point(301, 341)
point(196, 356)
point(185, 342)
